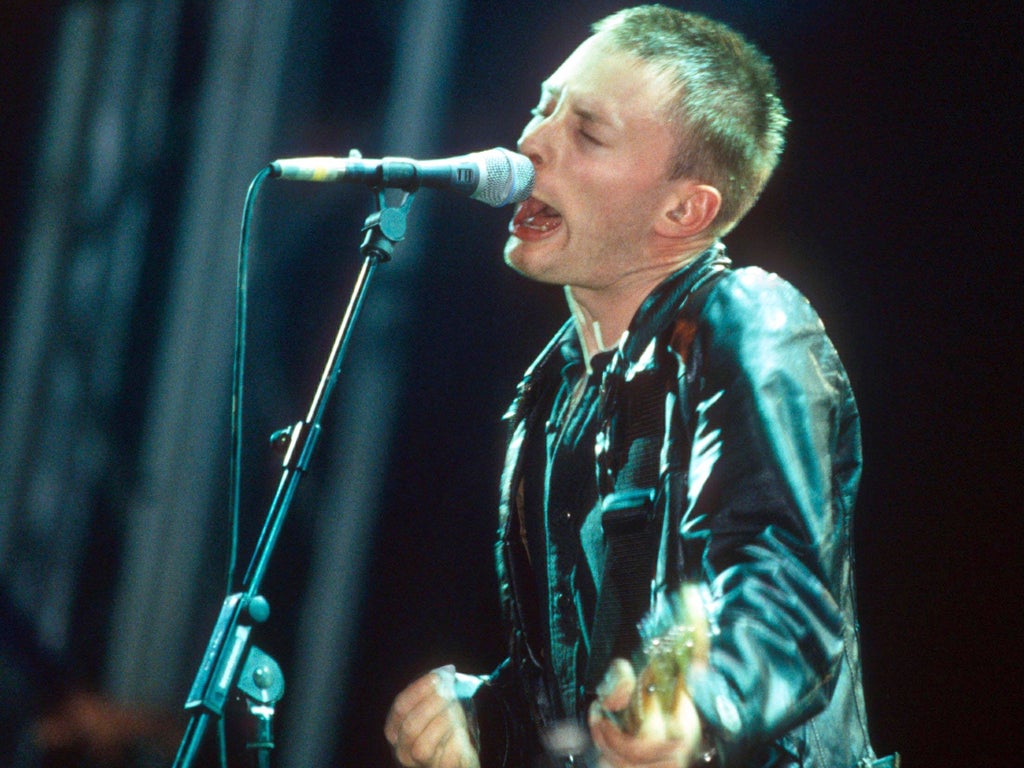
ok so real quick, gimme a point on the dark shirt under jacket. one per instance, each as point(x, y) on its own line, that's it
point(563, 484)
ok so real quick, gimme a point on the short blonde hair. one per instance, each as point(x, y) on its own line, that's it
point(729, 120)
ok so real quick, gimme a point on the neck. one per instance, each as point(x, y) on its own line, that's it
point(599, 327)
point(602, 315)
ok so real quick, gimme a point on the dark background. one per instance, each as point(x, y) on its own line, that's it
point(894, 210)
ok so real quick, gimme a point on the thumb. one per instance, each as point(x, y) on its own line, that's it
point(616, 689)
point(446, 681)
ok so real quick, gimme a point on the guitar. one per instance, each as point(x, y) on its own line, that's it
point(675, 637)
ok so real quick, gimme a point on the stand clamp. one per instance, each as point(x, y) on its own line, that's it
point(263, 685)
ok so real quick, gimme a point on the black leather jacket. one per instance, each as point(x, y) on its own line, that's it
point(746, 487)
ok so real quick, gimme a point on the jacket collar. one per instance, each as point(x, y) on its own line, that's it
point(662, 306)
point(635, 349)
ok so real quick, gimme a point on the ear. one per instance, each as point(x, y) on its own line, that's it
point(691, 211)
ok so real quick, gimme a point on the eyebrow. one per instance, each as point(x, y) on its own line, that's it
point(582, 111)
point(591, 117)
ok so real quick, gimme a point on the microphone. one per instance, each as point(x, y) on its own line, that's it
point(494, 176)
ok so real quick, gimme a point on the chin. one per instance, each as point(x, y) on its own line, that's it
point(531, 261)
point(516, 256)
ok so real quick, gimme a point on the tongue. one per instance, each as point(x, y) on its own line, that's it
point(534, 214)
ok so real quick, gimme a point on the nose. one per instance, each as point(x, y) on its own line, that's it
point(535, 140)
point(527, 144)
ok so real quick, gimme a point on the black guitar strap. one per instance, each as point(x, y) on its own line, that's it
point(630, 512)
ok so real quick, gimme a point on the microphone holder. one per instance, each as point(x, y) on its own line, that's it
point(222, 663)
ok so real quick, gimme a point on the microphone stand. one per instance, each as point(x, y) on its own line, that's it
point(222, 662)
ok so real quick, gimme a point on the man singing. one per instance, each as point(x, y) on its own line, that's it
point(675, 530)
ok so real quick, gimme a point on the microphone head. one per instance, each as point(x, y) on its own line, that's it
point(505, 177)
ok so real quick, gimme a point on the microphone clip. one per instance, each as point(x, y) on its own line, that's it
point(385, 227)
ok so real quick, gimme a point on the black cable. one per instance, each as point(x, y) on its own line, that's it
point(237, 392)
point(238, 377)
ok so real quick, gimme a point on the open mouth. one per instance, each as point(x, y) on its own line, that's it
point(534, 219)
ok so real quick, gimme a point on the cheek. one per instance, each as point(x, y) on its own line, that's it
point(620, 208)
point(612, 199)
point(625, 183)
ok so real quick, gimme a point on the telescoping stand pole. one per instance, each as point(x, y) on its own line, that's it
point(228, 649)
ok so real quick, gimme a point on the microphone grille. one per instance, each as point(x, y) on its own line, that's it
point(507, 177)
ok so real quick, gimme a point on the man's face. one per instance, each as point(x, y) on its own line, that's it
point(601, 148)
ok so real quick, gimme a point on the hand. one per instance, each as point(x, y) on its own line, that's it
point(662, 739)
point(427, 724)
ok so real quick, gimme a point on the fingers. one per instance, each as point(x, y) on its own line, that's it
point(616, 689)
point(429, 745)
point(618, 748)
point(427, 725)
point(419, 698)
point(631, 727)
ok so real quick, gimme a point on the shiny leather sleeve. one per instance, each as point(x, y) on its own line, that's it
point(774, 465)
